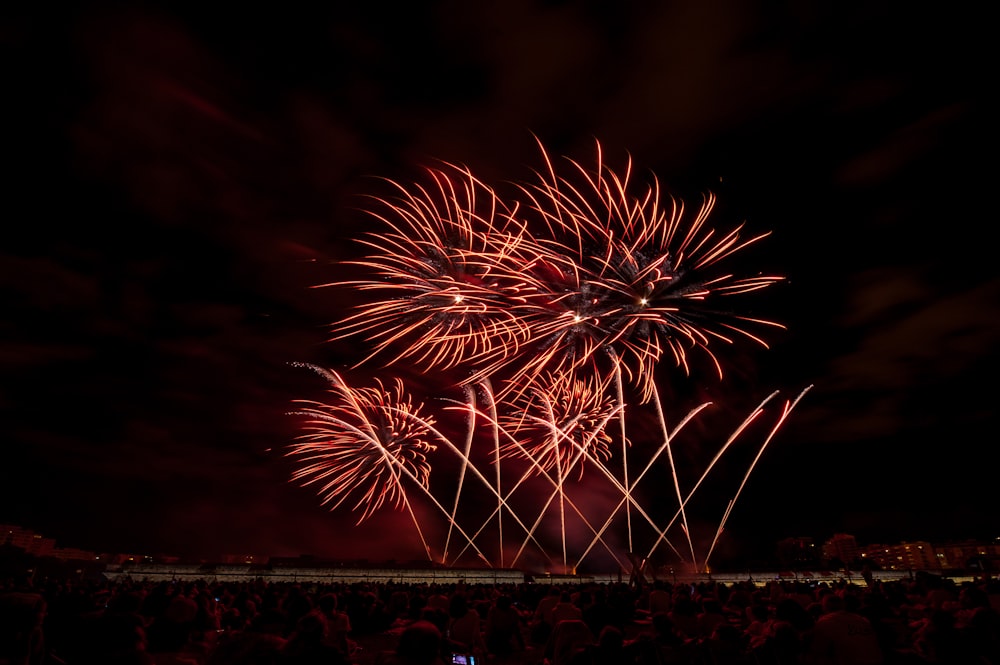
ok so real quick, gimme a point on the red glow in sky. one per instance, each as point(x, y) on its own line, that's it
point(177, 181)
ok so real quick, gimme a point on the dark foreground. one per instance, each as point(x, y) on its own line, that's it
point(926, 619)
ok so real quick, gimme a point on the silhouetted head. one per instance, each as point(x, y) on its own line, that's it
point(611, 638)
point(420, 643)
point(310, 628)
point(711, 606)
point(972, 596)
point(327, 602)
point(759, 612)
point(832, 603)
point(458, 607)
point(662, 624)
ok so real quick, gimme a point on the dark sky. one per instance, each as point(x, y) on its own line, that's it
point(176, 182)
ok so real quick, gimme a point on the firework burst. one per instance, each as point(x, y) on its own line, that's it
point(446, 271)
point(363, 443)
point(561, 425)
point(617, 270)
point(562, 295)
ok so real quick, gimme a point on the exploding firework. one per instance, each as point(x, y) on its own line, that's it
point(575, 286)
point(561, 426)
point(445, 268)
point(362, 443)
point(618, 271)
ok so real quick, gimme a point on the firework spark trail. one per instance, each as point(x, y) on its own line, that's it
point(558, 431)
point(626, 491)
point(571, 408)
point(774, 430)
point(673, 469)
point(352, 459)
point(708, 469)
point(537, 469)
point(617, 271)
point(470, 430)
point(335, 454)
point(479, 476)
point(474, 286)
point(362, 443)
point(620, 391)
point(319, 422)
point(488, 388)
point(443, 265)
point(617, 484)
point(471, 408)
point(621, 280)
point(562, 499)
point(583, 450)
point(501, 500)
point(588, 270)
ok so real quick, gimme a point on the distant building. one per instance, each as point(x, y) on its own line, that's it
point(958, 555)
point(797, 551)
point(249, 559)
point(27, 540)
point(157, 572)
point(842, 547)
point(902, 556)
point(73, 554)
point(794, 554)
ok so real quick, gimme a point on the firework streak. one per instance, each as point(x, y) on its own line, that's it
point(551, 305)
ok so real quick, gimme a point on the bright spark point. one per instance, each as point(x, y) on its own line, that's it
point(492, 287)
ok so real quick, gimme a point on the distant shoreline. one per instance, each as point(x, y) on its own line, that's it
point(489, 576)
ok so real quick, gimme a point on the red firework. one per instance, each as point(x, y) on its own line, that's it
point(561, 424)
point(364, 443)
point(585, 278)
point(446, 268)
point(619, 272)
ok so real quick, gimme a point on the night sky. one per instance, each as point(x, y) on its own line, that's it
point(176, 182)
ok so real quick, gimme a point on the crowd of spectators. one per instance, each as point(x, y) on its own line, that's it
point(920, 621)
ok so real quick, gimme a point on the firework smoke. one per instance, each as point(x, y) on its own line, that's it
point(576, 285)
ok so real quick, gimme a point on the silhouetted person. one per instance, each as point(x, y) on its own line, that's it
point(295, 605)
point(170, 631)
point(609, 650)
point(541, 622)
point(979, 622)
point(756, 630)
point(794, 613)
point(567, 638)
point(710, 617)
point(21, 637)
point(724, 646)
point(939, 641)
point(247, 648)
point(782, 645)
point(464, 632)
point(116, 636)
point(565, 609)
point(841, 637)
point(503, 628)
point(684, 616)
point(338, 624)
point(419, 644)
point(660, 598)
point(307, 644)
